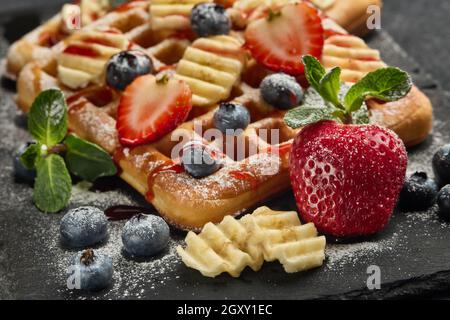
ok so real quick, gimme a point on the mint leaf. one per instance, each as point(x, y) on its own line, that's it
point(387, 84)
point(53, 184)
point(87, 160)
point(30, 156)
point(330, 85)
point(303, 116)
point(47, 120)
point(314, 71)
point(362, 115)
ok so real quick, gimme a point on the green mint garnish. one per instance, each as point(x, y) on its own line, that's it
point(31, 155)
point(87, 160)
point(302, 116)
point(48, 122)
point(387, 84)
point(53, 184)
point(329, 99)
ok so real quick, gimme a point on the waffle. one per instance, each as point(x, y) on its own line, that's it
point(216, 69)
point(350, 14)
point(167, 16)
point(233, 245)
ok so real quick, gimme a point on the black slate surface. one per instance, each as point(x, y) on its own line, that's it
point(412, 253)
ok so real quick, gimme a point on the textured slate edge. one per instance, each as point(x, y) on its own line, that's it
point(414, 287)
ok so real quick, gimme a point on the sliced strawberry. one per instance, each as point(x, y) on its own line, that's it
point(279, 40)
point(151, 108)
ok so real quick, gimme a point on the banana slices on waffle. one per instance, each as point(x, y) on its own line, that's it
point(84, 58)
point(211, 67)
point(269, 235)
point(353, 55)
point(172, 14)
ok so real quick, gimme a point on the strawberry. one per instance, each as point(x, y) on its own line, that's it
point(279, 40)
point(150, 108)
point(347, 178)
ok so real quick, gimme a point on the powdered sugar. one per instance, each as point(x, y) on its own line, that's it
point(81, 195)
point(341, 255)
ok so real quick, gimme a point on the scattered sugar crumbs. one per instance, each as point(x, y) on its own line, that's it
point(131, 279)
point(134, 280)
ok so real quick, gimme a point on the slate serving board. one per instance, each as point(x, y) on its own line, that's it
point(413, 253)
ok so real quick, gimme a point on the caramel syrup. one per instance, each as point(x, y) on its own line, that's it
point(81, 51)
point(122, 212)
point(245, 176)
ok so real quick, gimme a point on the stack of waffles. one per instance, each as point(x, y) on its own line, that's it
point(216, 68)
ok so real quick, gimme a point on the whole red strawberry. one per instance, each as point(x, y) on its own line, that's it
point(347, 178)
point(346, 174)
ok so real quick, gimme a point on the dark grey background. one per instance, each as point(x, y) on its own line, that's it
point(422, 245)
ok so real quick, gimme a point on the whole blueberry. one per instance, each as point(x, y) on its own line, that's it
point(20, 172)
point(145, 235)
point(126, 66)
point(82, 227)
point(443, 201)
point(281, 91)
point(198, 161)
point(419, 192)
point(231, 117)
point(441, 165)
point(95, 271)
point(210, 19)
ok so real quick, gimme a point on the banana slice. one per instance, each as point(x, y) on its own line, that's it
point(84, 59)
point(211, 67)
point(353, 55)
point(269, 235)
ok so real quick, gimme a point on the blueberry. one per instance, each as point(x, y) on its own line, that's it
point(126, 66)
point(95, 270)
point(441, 165)
point(281, 91)
point(231, 117)
point(210, 19)
point(20, 172)
point(198, 161)
point(443, 201)
point(145, 235)
point(82, 227)
point(418, 193)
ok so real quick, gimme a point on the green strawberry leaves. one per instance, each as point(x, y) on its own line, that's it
point(87, 160)
point(48, 123)
point(329, 99)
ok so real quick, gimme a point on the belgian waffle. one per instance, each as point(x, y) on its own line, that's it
point(216, 69)
point(38, 44)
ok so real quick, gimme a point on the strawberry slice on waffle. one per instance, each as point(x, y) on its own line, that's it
point(151, 108)
point(281, 38)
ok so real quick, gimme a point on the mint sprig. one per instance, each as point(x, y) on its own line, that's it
point(329, 99)
point(53, 185)
point(48, 123)
point(87, 160)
